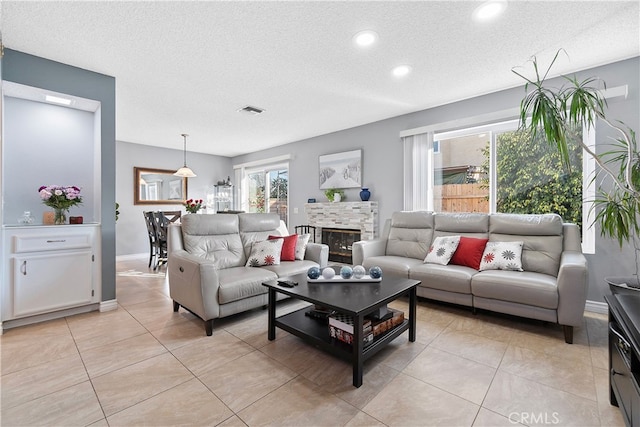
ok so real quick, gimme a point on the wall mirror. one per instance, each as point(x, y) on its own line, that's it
point(158, 187)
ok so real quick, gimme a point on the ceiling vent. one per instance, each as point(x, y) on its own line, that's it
point(251, 110)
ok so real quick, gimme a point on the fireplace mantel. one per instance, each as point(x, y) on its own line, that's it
point(361, 216)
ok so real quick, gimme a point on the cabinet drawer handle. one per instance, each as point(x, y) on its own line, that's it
point(181, 269)
point(23, 268)
point(57, 241)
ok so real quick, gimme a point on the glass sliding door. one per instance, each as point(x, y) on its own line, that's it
point(268, 191)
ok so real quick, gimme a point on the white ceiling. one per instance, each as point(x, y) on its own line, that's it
point(186, 67)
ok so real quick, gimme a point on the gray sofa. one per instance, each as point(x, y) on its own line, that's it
point(552, 287)
point(207, 256)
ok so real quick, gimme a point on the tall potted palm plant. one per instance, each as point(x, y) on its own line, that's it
point(576, 104)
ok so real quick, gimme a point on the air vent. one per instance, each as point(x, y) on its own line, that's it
point(251, 110)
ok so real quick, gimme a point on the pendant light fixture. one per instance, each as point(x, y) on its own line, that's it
point(184, 171)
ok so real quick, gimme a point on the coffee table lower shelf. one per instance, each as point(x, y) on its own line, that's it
point(316, 333)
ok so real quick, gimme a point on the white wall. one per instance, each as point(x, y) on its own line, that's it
point(131, 232)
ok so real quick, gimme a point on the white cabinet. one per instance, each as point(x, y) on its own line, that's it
point(49, 268)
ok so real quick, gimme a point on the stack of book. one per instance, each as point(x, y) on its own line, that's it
point(341, 326)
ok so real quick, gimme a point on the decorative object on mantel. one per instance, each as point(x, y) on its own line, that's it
point(184, 171)
point(193, 205)
point(76, 220)
point(312, 200)
point(365, 194)
point(60, 199)
point(334, 195)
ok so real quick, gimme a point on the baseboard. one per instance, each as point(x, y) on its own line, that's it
point(112, 304)
point(597, 307)
point(131, 257)
point(23, 321)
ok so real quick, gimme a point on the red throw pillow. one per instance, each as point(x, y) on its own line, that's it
point(289, 247)
point(469, 252)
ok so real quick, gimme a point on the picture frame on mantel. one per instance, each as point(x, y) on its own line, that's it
point(340, 170)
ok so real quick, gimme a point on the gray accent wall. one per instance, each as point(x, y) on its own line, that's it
point(130, 228)
point(383, 165)
point(42, 73)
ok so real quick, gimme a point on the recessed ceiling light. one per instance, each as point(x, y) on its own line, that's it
point(365, 38)
point(401, 70)
point(57, 100)
point(489, 10)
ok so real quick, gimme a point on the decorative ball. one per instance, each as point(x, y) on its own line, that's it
point(346, 272)
point(313, 273)
point(375, 272)
point(328, 273)
point(359, 272)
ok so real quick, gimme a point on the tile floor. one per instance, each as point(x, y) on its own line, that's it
point(143, 364)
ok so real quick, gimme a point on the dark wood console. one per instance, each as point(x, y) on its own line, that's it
point(624, 355)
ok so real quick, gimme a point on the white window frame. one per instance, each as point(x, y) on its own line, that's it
point(493, 129)
point(242, 171)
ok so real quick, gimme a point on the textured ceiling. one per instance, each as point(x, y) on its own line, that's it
point(188, 66)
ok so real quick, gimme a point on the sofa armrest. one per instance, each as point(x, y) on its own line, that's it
point(364, 249)
point(572, 288)
point(194, 283)
point(317, 252)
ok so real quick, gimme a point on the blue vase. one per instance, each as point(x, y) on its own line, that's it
point(365, 194)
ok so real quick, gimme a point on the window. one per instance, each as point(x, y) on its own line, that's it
point(268, 191)
point(497, 168)
point(264, 187)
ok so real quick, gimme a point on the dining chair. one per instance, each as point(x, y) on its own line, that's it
point(161, 223)
point(150, 221)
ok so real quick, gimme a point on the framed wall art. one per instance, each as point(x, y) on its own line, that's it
point(341, 170)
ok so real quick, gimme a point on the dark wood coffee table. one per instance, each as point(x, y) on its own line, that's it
point(354, 299)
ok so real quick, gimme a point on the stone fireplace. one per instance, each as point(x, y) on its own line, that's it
point(340, 242)
point(354, 216)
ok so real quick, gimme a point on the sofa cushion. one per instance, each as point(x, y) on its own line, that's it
point(542, 236)
point(442, 249)
point(266, 252)
point(301, 246)
point(502, 256)
point(524, 287)
point(410, 234)
point(452, 278)
point(289, 268)
point(288, 246)
point(461, 223)
point(469, 252)
point(393, 265)
point(256, 227)
point(215, 238)
point(237, 283)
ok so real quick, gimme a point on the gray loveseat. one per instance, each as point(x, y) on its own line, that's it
point(552, 287)
point(207, 257)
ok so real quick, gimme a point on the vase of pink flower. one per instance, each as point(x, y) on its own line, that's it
point(60, 199)
point(193, 205)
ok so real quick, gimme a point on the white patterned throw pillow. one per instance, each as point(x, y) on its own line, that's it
point(301, 245)
point(266, 252)
point(442, 249)
point(502, 256)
